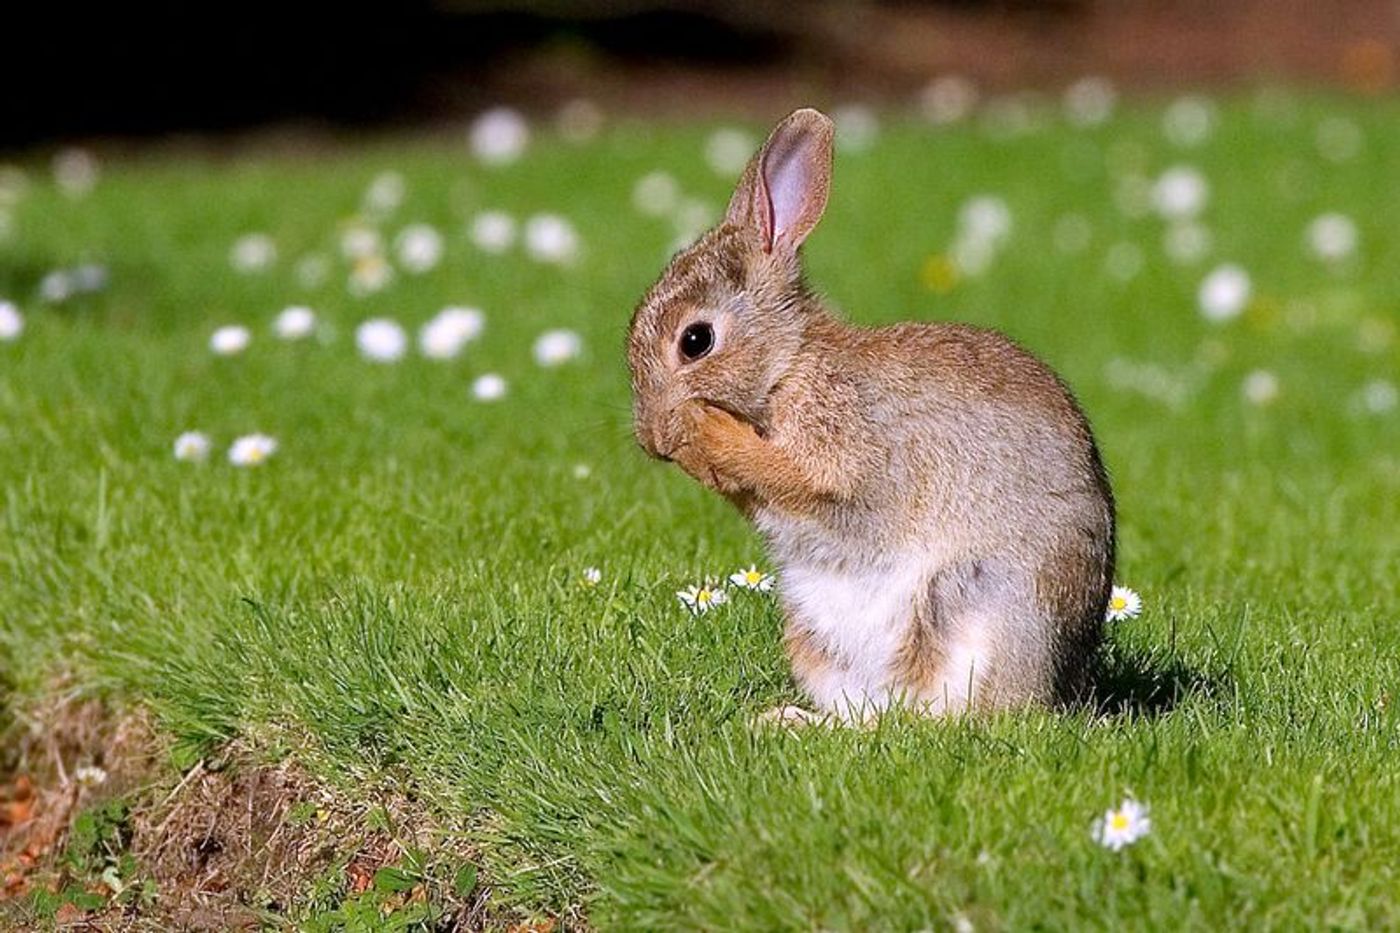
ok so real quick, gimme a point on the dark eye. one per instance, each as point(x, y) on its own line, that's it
point(696, 340)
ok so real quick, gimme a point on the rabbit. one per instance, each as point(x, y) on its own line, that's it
point(931, 493)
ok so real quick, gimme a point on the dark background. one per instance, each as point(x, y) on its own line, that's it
point(79, 71)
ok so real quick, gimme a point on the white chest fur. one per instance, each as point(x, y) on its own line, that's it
point(860, 616)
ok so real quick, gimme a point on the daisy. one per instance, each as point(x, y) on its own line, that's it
point(360, 242)
point(419, 248)
point(948, 99)
point(856, 127)
point(1332, 237)
point(1123, 826)
point(75, 171)
point(230, 340)
point(57, 286)
point(381, 340)
point(451, 329)
point(493, 231)
point(1379, 396)
point(752, 579)
point(371, 274)
point(1189, 121)
point(985, 217)
point(555, 347)
point(90, 776)
point(192, 447)
point(1090, 101)
point(294, 323)
point(1260, 387)
point(728, 151)
point(11, 321)
point(701, 599)
point(1186, 242)
point(656, 194)
point(582, 471)
point(385, 193)
point(499, 136)
point(251, 450)
point(551, 238)
point(489, 388)
point(1180, 193)
point(254, 252)
point(1123, 603)
point(1339, 139)
point(592, 576)
point(1224, 293)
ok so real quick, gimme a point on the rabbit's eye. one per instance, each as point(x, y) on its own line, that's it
point(696, 340)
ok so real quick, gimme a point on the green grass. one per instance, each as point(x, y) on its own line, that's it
point(401, 582)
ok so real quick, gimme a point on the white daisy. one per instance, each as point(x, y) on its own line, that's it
point(252, 450)
point(1188, 121)
point(11, 321)
point(1339, 139)
point(75, 171)
point(579, 120)
point(1180, 193)
point(592, 576)
point(499, 136)
point(948, 99)
point(254, 252)
point(385, 193)
point(1224, 293)
point(370, 274)
point(192, 447)
point(752, 579)
point(551, 238)
point(294, 323)
point(358, 242)
point(493, 231)
point(489, 387)
point(728, 151)
point(582, 471)
point(1379, 396)
point(90, 776)
point(1090, 101)
point(985, 217)
point(701, 599)
point(230, 340)
point(656, 194)
point(1123, 826)
point(1332, 237)
point(1123, 603)
point(1186, 242)
point(1260, 387)
point(448, 331)
point(857, 127)
point(419, 248)
point(555, 347)
point(57, 286)
point(381, 340)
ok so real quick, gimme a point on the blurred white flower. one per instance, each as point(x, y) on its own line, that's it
point(252, 450)
point(1224, 293)
point(448, 331)
point(948, 99)
point(90, 776)
point(370, 274)
point(14, 185)
point(1186, 242)
point(728, 150)
point(1123, 826)
point(493, 231)
point(1260, 387)
point(1339, 139)
point(1189, 121)
point(985, 217)
point(11, 321)
point(551, 238)
point(192, 447)
point(56, 286)
point(294, 323)
point(312, 271)
point(1180, 193)
point(385, 193)
point(419, 248)
point(381, 340)
point(1379, 396)
point(489, 388)
point(358, 242)
point(582, 471)
point(499, 136)
point(89, 277)
point(579, 120)
point(857, 127)
point(554, 347)
point(1090, 101)
point(75, 171)
point(656, 194)
point(230, 340)
point(1332, 237)
point(1124, 261)
point(592, 576)
point(254, 252)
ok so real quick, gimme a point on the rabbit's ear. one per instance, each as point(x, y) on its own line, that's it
point(783, 191)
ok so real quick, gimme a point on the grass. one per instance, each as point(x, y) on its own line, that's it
point(401, 583)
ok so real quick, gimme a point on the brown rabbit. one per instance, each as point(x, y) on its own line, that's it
point(931, 493)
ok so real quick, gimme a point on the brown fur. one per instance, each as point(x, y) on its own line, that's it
point(858, 450)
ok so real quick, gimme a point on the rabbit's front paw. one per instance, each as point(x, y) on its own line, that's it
point(713, 446)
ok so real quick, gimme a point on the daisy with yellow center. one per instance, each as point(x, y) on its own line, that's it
point(1123, 603)
point(1123, 826)
point(592, 576)
point(701, 599)
point(752, 579)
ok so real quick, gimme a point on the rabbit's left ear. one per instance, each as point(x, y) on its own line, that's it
point(784, 189)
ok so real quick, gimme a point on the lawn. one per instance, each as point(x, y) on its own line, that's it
point(400, 587)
